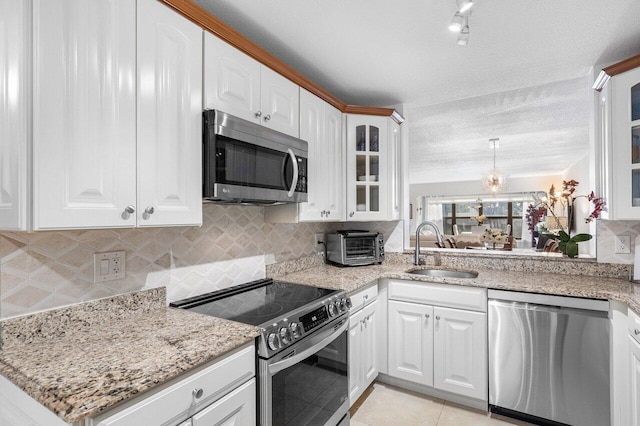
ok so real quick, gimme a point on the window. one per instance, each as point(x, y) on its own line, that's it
point(498, 214)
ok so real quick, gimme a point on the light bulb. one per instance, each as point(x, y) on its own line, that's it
point(466, 5)
point(456, 23)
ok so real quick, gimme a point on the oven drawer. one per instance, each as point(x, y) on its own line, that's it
point(363, 297)
point(448, 295)
point(176, 402)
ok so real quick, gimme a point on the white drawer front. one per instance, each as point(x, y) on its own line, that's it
point(363, 297)
point(173, 402)
point(634, 325)
point(236, 409)
point(454, 296)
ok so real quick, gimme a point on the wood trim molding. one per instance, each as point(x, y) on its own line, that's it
point(201, 17)
point(623, 66)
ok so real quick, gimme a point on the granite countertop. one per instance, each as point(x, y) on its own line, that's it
point(81, 360)
point(352, 279)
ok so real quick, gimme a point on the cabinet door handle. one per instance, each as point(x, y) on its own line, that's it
point(351, 214)
point(328, 213)
point(127, 212)
point(148, 212)
point(258, 114)
point(427, 316)
point(438, 317)
point(267, 117)
point(636, 331)
point(197, 393)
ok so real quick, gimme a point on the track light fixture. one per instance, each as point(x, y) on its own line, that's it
point(460, 22)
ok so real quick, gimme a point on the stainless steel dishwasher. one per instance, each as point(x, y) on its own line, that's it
point(549, 358)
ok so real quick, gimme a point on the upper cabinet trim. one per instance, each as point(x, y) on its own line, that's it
point(214, 25)
point(615, 69)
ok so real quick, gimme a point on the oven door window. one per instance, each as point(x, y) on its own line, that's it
point(243, 164)
point(311, 391)
point(360, 248)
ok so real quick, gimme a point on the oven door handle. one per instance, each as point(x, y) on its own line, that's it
point(294, 181)
point(324, 341)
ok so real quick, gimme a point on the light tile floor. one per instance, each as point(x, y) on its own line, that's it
point(383, 405)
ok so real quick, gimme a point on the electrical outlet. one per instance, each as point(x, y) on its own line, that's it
point(623, 244)
point(108, 266)
point(319, 238)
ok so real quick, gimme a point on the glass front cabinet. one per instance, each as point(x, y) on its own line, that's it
point(622, 111)
point(371, 168)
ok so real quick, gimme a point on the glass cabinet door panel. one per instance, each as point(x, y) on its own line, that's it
point(374, 139)
point(635, 188)
point(374, 198)
point(361, 167)
point(374, 167)
point(361, 198)
point(635, 145)
point(635, 102)
point(361, 138)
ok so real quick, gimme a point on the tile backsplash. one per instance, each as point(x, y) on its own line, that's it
point(44, 270)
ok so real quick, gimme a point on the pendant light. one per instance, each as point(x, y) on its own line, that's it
point(494, 181)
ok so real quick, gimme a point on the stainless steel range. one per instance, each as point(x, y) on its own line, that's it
point(302, 349)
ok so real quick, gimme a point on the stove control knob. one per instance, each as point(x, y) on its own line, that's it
point(285, 336)
point(333, 309)
point(343, 305)
point(295, 330)
point(274, 342)
point(348, 303)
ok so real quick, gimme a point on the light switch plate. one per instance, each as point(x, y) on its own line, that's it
point(108, 266)
point(623, 244)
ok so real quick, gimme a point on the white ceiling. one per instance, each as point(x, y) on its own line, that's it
point(381, 53)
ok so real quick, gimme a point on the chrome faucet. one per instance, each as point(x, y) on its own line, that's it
point(438, 238)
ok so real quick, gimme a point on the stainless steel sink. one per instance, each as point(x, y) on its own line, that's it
point(445, 273)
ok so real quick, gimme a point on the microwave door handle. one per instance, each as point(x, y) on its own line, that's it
point(294, 181)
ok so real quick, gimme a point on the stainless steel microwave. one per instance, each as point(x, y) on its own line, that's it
point(244, 162)
point(355, 248)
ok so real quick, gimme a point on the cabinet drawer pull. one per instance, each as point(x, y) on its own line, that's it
point(636, 331)
point(197, 393)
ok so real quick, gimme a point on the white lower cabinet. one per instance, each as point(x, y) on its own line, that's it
point(634, 379)
point(363, 368)
point(223, 393)
point(460, 352)
point(438, 346)
point(411, 342)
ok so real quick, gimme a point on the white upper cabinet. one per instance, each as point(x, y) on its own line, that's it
point(15, 128)
point(232, 79)
point(367, 168)
point(84, 113)
point(624, 143)
point(169, 117)
point(239, 85)
point(117, 133)
point(321, 128)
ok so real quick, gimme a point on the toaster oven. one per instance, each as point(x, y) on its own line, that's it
point(355, 248)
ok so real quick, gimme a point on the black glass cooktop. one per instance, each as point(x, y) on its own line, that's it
point(255, 303)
